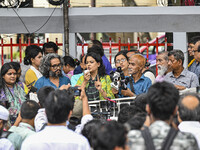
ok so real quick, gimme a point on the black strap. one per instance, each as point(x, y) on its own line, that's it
point(5, 134)
point(131, 84)
point(169, 139)
point(166, 143)
point(44, 125)
point(148, 139)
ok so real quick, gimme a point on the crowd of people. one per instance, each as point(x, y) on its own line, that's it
point(44, 103)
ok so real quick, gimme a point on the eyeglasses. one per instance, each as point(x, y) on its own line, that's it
point(191, 47)
point(120, 60)
point(195, 51)
point(56, 66)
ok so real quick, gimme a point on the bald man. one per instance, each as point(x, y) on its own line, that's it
point(138, 83)
point(189, 115)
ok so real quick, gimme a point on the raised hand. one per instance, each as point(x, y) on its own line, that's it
point(65, 87)
point(98, 84)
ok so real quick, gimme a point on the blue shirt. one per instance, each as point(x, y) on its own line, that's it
point(78, 70)
point(195, 68)
point(75, 78)
point(141, 86)
point(41, 82)
point(106, 64)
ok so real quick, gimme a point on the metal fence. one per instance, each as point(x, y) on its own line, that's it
point(110, 48)
point(20, 45)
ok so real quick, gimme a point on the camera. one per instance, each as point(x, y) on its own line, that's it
point(76, 90)
point(118, 79)
point(115, 78)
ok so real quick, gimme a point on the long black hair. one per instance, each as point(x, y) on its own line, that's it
point(46, 63)
point(4, 70)
point(31, 52)
point(97, 57)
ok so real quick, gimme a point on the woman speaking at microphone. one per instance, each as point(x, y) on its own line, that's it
point(95, 81)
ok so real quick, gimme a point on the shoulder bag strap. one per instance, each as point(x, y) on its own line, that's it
point(5, 134)
point(169, 139)
point(148, 139)
point(131, 85)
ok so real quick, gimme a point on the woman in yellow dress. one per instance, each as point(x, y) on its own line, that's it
point(33, 57)
point(95, 80)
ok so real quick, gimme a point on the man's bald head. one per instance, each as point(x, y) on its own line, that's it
point(139, 59)
point(189, 107)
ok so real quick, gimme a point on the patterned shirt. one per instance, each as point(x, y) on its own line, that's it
point(105, 83)
point(75, 78)
point(187, 79)
point(159, 131)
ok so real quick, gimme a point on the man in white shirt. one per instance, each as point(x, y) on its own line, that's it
point(41, 117)
point(56, 135)
point(188, 115)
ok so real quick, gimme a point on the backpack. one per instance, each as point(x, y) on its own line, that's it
point(166, 143)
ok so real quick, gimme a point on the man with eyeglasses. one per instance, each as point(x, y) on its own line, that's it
point(50, 68)
point(180, 77)
point(195, 67)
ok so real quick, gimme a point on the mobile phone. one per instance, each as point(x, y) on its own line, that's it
point(77, 91)
point(86, 71)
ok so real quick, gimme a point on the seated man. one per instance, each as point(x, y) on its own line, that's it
point(180, 77)
point(188, 115)
point(190, 49)
point(195, 63)
point(162, 65)
point(56, 135)
point(24, 125)
point(138, 83)
point(50, 68)
point(161, 107)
